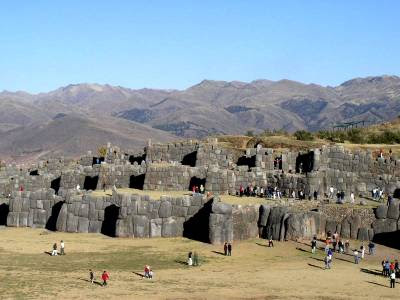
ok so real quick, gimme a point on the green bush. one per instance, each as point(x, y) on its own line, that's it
point(303, 135)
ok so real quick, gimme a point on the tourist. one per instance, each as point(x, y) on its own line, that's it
point(54, 252)
point(241, 191)
point(362, 249)
point(334, 242)
point(270, 242)
point(315, 195)
point(226, 248)
point(392, 279)
point(330, 254)
point(105, 276)
point(352, 199)
point(193, 189)
point(347, 246)
point(261, 192)
point(78, 187)
point(356, 257)
point(341, 247)
point(62, 248)
point(91, 276)
point(21, 188)
point(151, 273)
point(391, 267)
point(201, 189)
point(327, 262)
point(387, 267)
point(331, 190)
point(189, 260)
point(146, 271)
point(313, 245)
point(229, 249)
point(195, 259)
point(294, 194)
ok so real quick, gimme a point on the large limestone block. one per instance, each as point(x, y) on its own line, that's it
point(273, 228)
point(61, 224)
point(13, 219)
point(94, 226)
point(221, 208)
point(165, 209)
point(264, 214)
point(384, 225)
point(156, 227)
point(72, 223)
point(83, 225)
point(393, 209)
point(141, 226)
point(169, 227)
point(381, 211)
point(363, 234)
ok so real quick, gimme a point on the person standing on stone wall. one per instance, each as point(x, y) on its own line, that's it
point(201, 189)
point(331, 190)
point(226, 248)
point(241, 191)
point(352, 198)
point(315, 195)
point(229, 249)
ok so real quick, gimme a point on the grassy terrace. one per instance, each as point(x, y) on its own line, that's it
point(287, 271)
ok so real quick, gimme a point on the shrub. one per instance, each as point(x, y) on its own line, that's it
point(303, 135)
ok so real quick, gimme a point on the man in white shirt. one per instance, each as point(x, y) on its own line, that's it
point(331, 192)
point(392, 279)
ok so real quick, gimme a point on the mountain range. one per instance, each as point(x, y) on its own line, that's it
point(80, 117)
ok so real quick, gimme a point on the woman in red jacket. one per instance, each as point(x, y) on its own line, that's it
point(105, 276)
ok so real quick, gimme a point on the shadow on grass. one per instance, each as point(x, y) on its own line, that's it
point(316, 258)
point(302, 250)
point(262, 245)
point(218, 252)
point(371, 282)
point(47, 252)
point(138, 274)
point(372, 272)
point(318, 267)
point(94, 282)
point(342, 259)
point(181, 262)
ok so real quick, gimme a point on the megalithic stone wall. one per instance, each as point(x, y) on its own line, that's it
point(32, 209)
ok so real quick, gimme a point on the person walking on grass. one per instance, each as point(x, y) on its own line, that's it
point(313, 245)
point(105, 277)
point(229, 249)
point(327, 261)
point(91, 276)
point(195, 259)
point(356, 257)
point(62, 248)
point(270, 242)
point(225, 248)
point(392, 279)
point(54, 252)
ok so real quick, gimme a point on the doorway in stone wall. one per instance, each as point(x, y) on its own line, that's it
point(52, 221)
point(55, 184)
point(109, 224)
point(190, 159)
point(34, 173)
point(305, 162)
point(97, 160)
point(136, 181)
point(247, 161)
point(195, 181)
point(197, 227)
point(90, 183)
point(4, 210)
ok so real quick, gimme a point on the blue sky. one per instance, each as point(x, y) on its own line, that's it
point(175, 44)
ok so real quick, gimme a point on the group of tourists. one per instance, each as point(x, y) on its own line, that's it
point(334, 243)
point(193, 259)
point(198, 189)
point(227, 249)
point(105, 276)
point(391, 270)
point(148, 272)
point(62, 249)
point(377, 194)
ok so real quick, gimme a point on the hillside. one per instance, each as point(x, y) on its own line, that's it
point(209, 108)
